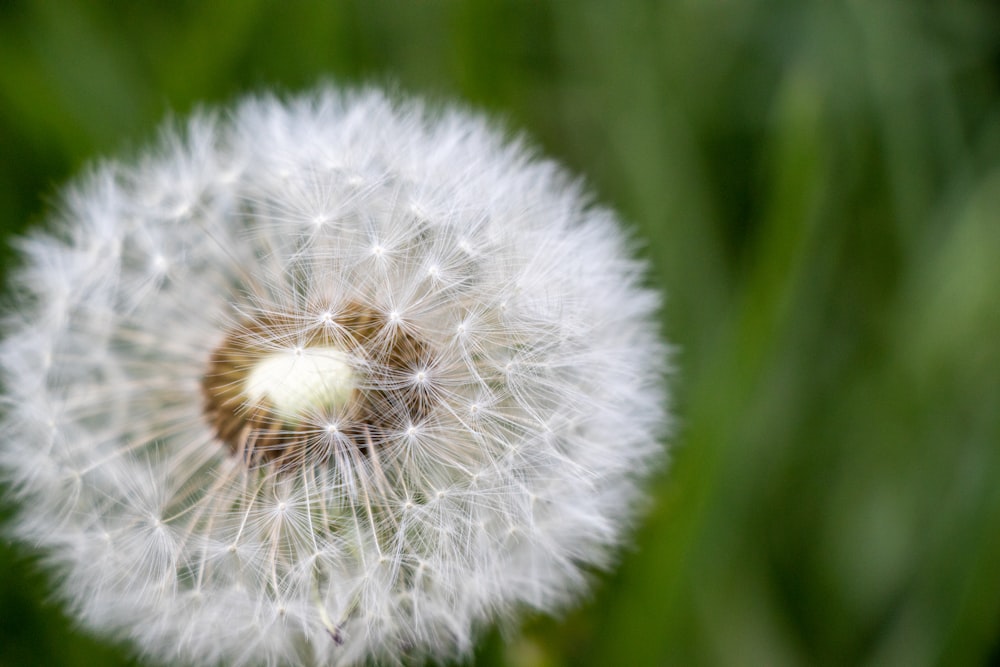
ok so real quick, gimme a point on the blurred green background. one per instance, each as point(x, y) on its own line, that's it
point(817, 188)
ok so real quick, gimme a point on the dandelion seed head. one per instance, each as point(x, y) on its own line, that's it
point(326, 380)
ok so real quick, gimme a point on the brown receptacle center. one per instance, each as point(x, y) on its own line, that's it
point(381, 403)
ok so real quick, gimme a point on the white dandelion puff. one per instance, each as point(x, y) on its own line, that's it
point(327, 380)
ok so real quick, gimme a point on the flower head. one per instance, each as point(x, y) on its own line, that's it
point(328, 379)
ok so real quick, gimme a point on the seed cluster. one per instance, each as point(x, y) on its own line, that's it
point(255, 431)
point(332, 380)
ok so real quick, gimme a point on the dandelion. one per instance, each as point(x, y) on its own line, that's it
point(327, 380)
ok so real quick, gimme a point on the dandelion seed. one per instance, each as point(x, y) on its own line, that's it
point(327, 380)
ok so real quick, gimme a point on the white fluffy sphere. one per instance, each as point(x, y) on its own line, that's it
point(326, 380)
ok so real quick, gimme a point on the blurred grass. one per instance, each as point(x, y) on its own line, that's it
point(817, 187)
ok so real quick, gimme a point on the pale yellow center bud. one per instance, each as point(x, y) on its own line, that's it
point(297, 382)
